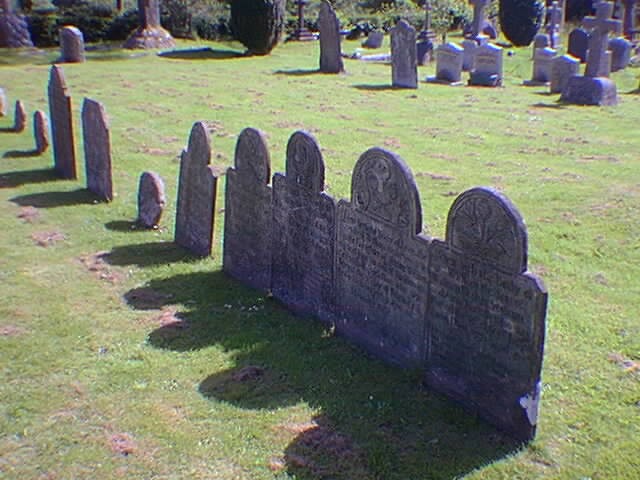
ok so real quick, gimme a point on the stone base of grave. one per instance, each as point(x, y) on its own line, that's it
point(581, 90)
point(477, 79)
point(304, 35)
point(442, 81)
point(14, 31)
point(535, 83)
point(150, 38)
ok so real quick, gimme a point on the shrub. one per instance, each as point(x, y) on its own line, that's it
point(520, 20)
point(257, 24)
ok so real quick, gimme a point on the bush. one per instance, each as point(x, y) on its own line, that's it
point(122, 25)
point(520, 20)
point(258, 24)
point(43, 25)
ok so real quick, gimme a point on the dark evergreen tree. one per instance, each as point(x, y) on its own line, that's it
point(257, 24)
point(520, 20)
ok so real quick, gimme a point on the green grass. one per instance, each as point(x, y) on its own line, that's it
point(152, 364)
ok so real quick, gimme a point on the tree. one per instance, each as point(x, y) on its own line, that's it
point(520, 20)
point(257, 24)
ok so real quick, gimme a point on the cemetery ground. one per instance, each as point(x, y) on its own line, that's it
point(123, 356)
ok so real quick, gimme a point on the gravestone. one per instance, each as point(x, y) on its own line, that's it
point(19, 117)
point(554, 19)
point(150, 33)
point(470, 47)
point(449, 58)
point(486, 314)
point(578, 44)
point(97, 149)
point(3, 103)
point(197, 183)
point(71, 45)
point(304, 217)
point(487, 66)
point(151, 199)
point(248, 213)
point(64, 155)
point(330, 53)
point(41, 131)
point(541, 40)
point(14, 28)
point(374, 39)
point(620, 49)
point(479, 17)
point(629, 18)
point(562, 69)
point(382, 260)
point(424, 51)
point(404, 65)
point(542, 64)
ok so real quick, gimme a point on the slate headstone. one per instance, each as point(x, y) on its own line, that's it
point(197, 183)
point(404, 65)
point(620, 49)
point(3, 103)
point(97, 149)
point(542, 64)
point(151, 199)
point(562, 69)
point(150, 33)
point(374, 39)
point(71, 45)
point(304, 218)
point(487, 66)
point(248, 212)
point(19, 117)
point(449, 58)
point(578, 44)
point(61, 125)
point(330, 52)
point(41, 131)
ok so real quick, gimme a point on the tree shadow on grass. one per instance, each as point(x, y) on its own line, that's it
point(17, 179)
point(148, 254)
point(299, 72)
point(56, 199)
point(205, 53)
point(21, 153)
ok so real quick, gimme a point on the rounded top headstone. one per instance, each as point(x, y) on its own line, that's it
point(252, 155)
point(304, 165)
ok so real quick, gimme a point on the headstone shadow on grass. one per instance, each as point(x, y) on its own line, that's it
point(21, 153)
point(378, 87)
point(56, 199)
point(556, 105)
point(148, 254)
point(298, 72)
point(205, 53)
point(23, 177)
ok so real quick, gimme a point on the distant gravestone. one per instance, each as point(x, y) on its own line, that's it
point(61, 125)
point(151, 199)
point(486, 313)
point(330, 53)
point(97, 149)
point(541, 40)
point(542, 64)
point(487, 66)
point(578, 44)
point(562, 69)
point(3, 103)
point(404, 65)
point(19, 117)
point(620, 49)
point(470, 47)
point(150, 33)
point(41, 131)
point(304, 217)
point(629, 18)
point(424, 51)
point(382, 260)
point(479, 17)
point(374, 39)
point(554, 20)
point(71, 45)
point(248, 213)
point(449, 58)
point(196, 194)
point(14, 28)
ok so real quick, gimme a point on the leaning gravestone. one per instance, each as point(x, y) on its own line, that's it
point(150, 33)
point(19, 117)
point(3, 103)
point(404, 63)
point(330, 53)
point(382, 260)
point(71, 45)
point(151, 199)
point(486, 313)
point(578, 44)
point(374, 39)
point(449, 58)
point(304, 220)
point(248, 212)
point(542, 62)
point(487, 66)
point(620, 49)
point(97, 149)
point(562, 69)
point(195, 210)
point(41, 131)
point(14, 28)
point(64, 155)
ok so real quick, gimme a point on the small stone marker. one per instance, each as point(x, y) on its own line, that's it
point(330, 53)
point(19, 118)
point(404, 65)
point(374, 39)
point(3, 103)
point(195, 210)
point(151, 199)
point(562, 69)
point(620, 49)
point(578, 44)
point(248, 213)
point(71, 45)
point(487, 66)
point(97, 149)
point(61, 125)
point(449, 58)
point(41, 131)
point(542, 62)
point(304, 218)
point(150, 33)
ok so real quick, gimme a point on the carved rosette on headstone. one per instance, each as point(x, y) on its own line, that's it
point(404, 57)
point(150, 33)
point(41, 131)
point(197, 184)
point(304, 225)
point(19, 117)
point(151, 200)
point(330, 53)
point(64, 154)
point(71, 45)
point(486, 314)
point(97, 149)
point(248, 212)
point(382, 260)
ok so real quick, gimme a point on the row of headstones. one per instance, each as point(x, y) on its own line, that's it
point(40, 122)
point(464, 310)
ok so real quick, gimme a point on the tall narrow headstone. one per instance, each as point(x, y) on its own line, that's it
point(404, 60)
point(150, 33)
point(562, 69)
point(248, 213)
point(71, 45)
point(449, 58)
point(64, 154)
point(620, 49)
point(3, 103)
point(19, 117)
point(330, 53)
point(14, 28)
point(487, 66)
point(196, 194)
point(479, 16)
point(542, 64)
point(578, 44)
point(151, 199)
point(41, 131)
point(97, 149)
point(304, 218)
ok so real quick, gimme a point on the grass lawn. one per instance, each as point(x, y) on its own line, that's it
point(124, 357)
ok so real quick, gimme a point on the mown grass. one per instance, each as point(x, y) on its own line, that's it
point(123, 357)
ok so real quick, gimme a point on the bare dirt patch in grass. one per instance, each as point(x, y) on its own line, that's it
point(628, 365)
point(122, 444)
point(97, 264)
point(47, 239)
point(436, 176)
point(29, 214)
point(11, 331)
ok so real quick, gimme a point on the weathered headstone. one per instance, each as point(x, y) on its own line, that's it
point(479, 17)
point(620, 49)
point(195, 210)
point(470, 47)
point(304, 217)
point(487, 66)
point(542, 64)
point(486, 313)
point(71, 45)
point(150, 33)
point(382, 260)
point(330, 53)
point(404, 65)
point(151, 199)
point(64, 155)
point(3, 103)
point(41, 131)
point(554, 20)
point(562, 69)
point(248, 212)
point(14, 29)
point(19, 117)
point(449, 58)
point(541, 40)
point(578, 44)
point(97, 149)
point(374, 39)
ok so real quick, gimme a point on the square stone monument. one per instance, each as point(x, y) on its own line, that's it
point(487, 66)
point(449, 58)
